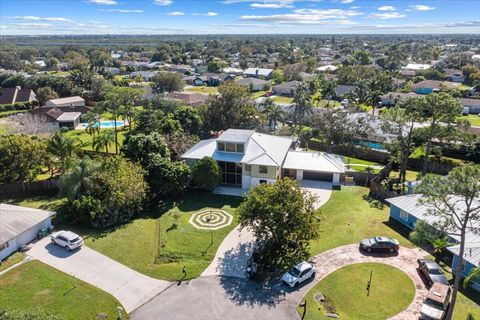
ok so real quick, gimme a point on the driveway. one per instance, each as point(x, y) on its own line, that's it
point(321, 189)
point(130, 287)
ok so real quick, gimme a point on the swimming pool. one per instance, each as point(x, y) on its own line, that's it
point(108, 124)
point(369, 144)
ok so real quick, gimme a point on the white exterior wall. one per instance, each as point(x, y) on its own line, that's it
point(12, 247)
point(299, 174)
point(256, 181)
point(336, 178)
point(246, 181)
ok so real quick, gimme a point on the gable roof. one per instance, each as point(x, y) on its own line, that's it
point(287, 85)
point(258, 71)
point(253, 81)
point(15, 95)
point(66, 100)
point(193, 99)
point(16, 220)
point(314, 161)
point(435, 84)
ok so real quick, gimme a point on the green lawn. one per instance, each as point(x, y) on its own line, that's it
point(410, 175)
point(86, 139)
point(10, 112)
point(345, 293)
point(258, 94)
point(348, 218)
point(203, 89)
point(11, 260)
point(282, 99)
point(153, 245)
point(37, 202)
point(35, 284)
point(474, 119)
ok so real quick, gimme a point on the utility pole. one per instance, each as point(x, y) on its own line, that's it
point(369, 284)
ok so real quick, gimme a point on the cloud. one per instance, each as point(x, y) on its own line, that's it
point(346, 1)
point(306, 16)
point(387, 8)
point(103, 2)
point(271, 5)
point(162, 2)
point(421, 7)
point(123, 10)
point(269, 1)
point(35, 18)
point(386, 16)
point(176, 13)
point(36, 25)
point(208, 14)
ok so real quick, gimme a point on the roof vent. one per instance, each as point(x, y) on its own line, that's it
point(435, 293)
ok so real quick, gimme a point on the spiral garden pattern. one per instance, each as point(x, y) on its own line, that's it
point(211, 219)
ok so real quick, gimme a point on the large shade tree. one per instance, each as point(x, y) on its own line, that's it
point(283, 219)
point(455, 201)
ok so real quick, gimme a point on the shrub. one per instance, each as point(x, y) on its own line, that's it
point(206, 173)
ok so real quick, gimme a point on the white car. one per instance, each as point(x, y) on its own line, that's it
point(298, 274)
point(67, 239)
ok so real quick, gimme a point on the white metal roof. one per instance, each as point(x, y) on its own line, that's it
point(314, 161)
point(69, 116)
point(67, 100)
point(14, 220)
point(261, 72)
point(329, 67)
point(471, 254)
point(410, 204)
point(235, 135)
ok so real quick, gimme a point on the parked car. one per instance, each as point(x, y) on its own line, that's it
point(268, 94)
point(436, 304)
point(344, 103)
point(67, 240)
point(298, 274)
point(432, 271)
point(380, 244)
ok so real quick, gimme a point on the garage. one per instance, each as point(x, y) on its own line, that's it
point(320, 176)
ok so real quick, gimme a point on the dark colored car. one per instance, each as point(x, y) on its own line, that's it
point(268, 94)
point(380, 244)
point(432, 271)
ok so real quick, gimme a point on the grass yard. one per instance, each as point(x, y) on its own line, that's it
point(202, 89)
point(359, 161)
point(348, 218)
point(37, 202)
point(282, 99)
point(154, 245)
point(11, 260)
point(474, 119)
point(35, 284)
point(258, 94)
point(344, 290)
point(410, 175)
point(86, 139)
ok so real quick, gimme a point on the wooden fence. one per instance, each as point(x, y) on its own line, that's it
point(44, 187)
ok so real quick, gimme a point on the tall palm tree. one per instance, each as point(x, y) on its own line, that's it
point(303, 104)
point(473, 275)
point(91, 119)
point(328, 90)
point(103, 140)
point(64, 148)
point(78, 179)
point(128, 113)
point(274, 113)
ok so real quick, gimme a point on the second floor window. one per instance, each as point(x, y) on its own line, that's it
point(263, 169)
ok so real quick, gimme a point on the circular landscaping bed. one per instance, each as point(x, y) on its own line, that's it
point(345, 293)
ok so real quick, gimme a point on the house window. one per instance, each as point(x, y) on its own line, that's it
point(263, 169)
point(221, 146)
point(403, 215)
point(230, 147)
point(3, 245)
point(239, 147)
point(248, 167)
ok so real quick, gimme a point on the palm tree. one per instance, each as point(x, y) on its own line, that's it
point(64, 148)
point(473, 275)
point(439, 246)
point(78, 179)
point(274, 113)
point(92, 123)
point(328, 90)
point(103, 140)
point(303, 105)
point(128, 113)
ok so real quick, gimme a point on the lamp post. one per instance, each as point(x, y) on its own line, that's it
point(369, 284)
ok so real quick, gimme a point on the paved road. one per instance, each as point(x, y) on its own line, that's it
point(130, 287)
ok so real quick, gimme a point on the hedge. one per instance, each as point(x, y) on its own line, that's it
point(17, 106)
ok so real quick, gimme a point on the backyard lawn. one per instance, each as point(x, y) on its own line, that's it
point(36, 285)
point(348, 218)
point(37, 202)
point(391, 292)
point(11, 260)
point(156, 245)
point(202, 89)
point(282, 99)
point(86, 139)
point(474, 119)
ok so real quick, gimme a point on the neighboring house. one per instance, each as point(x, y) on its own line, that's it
point(408, 74)
point(471, 106)
point(392, 98)
point(455, 75)
point(59, 118)
point(234, 71)
point(180, 68)
point(253, 83)
point(248, 158)
point(16, 95)
point(211, 79)
point(112, 70)
point(145, 75)
point(429, 86)
point(418, 66)
point(306, 76)
point(258, 73)
point(408, 210)
point(19, 226)
point(327, 68)
point(343, 90)
point(286, 88)
point(192, 99)
point(75, 101)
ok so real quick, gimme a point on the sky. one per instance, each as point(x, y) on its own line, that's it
point(45, 17)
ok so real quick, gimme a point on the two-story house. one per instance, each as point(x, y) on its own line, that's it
point(248, 158)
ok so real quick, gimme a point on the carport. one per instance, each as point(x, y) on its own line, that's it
point(318, 166)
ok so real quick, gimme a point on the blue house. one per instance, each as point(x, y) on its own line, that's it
point(408, 210)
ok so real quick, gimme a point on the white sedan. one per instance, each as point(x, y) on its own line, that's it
point(67, 240)
point(298, 274)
